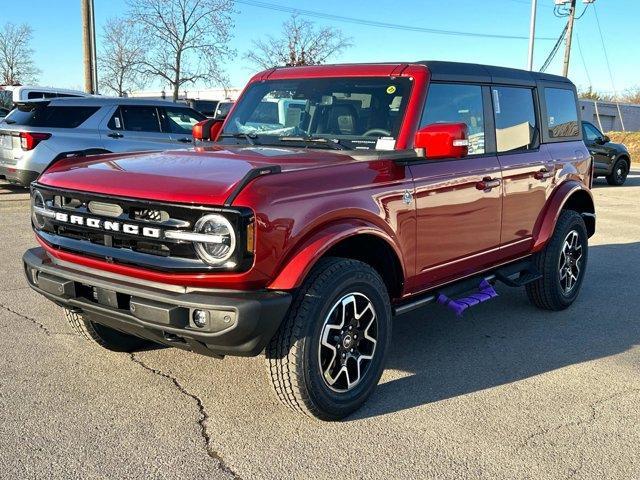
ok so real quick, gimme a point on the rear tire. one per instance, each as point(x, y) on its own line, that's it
point(101, 335)
point(328, 355)
point(562, 263)
point(619, 173)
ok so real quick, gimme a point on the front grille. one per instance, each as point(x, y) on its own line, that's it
point(148, 247)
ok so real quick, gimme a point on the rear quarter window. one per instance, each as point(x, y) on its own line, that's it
point(562, 113)
point(51, 116)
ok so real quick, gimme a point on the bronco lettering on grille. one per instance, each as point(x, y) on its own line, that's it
point(108, 225)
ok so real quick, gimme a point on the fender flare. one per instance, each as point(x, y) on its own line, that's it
point(546, 223)
point(302, 258)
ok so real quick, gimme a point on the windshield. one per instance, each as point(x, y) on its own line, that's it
point(359, 113)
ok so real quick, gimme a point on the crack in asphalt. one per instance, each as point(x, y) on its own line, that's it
point(204, 416)
point(576, 423)
point(38, 324)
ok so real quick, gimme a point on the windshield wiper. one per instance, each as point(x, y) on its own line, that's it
point(249, 137)
point(333, 143)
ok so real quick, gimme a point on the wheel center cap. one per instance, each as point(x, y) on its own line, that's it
point(347, 341)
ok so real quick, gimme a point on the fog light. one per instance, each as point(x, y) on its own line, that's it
point(200, 318)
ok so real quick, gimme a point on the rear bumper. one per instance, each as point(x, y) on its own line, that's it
point(19, 176)
point(237, 323)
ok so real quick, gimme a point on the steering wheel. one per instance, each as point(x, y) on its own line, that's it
point(377, 131)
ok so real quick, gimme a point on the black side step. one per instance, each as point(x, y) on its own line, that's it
point(514, 275)
point(518, 275)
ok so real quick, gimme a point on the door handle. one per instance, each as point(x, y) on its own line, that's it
point(544, 174)
point(488, 183)
point(185, 140)
point(115, 135)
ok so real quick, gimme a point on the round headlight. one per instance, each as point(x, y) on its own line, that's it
point(37, 200)
point(223, 239)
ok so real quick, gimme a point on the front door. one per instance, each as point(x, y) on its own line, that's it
point(458, 220)
point(594, 140)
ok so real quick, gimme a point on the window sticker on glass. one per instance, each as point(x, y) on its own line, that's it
point(391, 89)
point(496, 101)
point(116, 120)
point(386, 143)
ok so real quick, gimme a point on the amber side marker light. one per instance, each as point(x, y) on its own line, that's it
point(251, 232)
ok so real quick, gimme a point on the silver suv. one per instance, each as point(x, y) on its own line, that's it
point(35, 134)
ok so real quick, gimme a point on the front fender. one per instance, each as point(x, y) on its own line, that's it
point(571, 193)
point(303, 258)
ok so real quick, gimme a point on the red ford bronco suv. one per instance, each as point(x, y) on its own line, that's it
point(332, 199)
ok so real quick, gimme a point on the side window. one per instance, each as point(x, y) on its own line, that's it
point(140, 119)
point(453, 103)
point(562, 114)
point(182, 120)
point(515, 118)
point(591, 133)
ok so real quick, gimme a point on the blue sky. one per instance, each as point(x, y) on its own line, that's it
point(57, 35)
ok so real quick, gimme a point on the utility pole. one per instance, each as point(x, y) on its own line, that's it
point(567, 49)
point(89, 47)
point(532, 32)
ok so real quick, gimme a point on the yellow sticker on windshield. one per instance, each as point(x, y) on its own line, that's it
point(391, 89)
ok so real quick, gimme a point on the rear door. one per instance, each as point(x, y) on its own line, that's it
point(135, 127)
point(527, 169)
point(458, 222)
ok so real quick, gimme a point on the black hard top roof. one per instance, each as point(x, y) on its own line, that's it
point(458, 72)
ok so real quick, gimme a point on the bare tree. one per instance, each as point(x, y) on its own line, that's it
point(188, 39)
point(16, 55)
point(122, 55)
point(300, 43)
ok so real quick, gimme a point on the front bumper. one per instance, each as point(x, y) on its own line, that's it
point(238, 323)
point(17, 175)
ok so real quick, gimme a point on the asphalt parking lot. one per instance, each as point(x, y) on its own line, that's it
point(506, 392)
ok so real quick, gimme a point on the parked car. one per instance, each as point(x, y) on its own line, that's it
point(206, 107)
point(36, 134)
point(222, 110)
point(399, 185)
point(13, 94)
point(611, 160)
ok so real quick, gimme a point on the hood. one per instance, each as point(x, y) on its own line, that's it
point(620, 147)
point(205, 175)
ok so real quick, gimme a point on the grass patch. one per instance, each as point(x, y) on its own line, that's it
point(632, 142)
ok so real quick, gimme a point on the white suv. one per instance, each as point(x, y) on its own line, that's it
point(35, 134)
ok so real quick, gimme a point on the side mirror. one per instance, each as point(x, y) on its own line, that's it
point(207, 130)
point(443, 140)
point(605, 139)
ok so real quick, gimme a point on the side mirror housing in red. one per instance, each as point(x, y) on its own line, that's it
point(207, 130)
point(443, 140)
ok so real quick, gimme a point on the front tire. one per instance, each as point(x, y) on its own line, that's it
point(101, 335)
point(562, 264)
point(619, 173)
point(328, 355)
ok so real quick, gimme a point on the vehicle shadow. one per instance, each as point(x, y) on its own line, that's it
point(9, 188)
point(633, 180)
point(435, 356)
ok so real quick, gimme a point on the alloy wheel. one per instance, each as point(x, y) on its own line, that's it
point(348, 342)
point(569, 265)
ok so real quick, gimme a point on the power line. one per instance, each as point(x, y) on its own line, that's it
point(584, 64)
point(373, 23)
point(555, 49)
point(606, 57)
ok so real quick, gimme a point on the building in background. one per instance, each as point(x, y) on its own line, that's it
point(609, 118)
point(219, 94)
